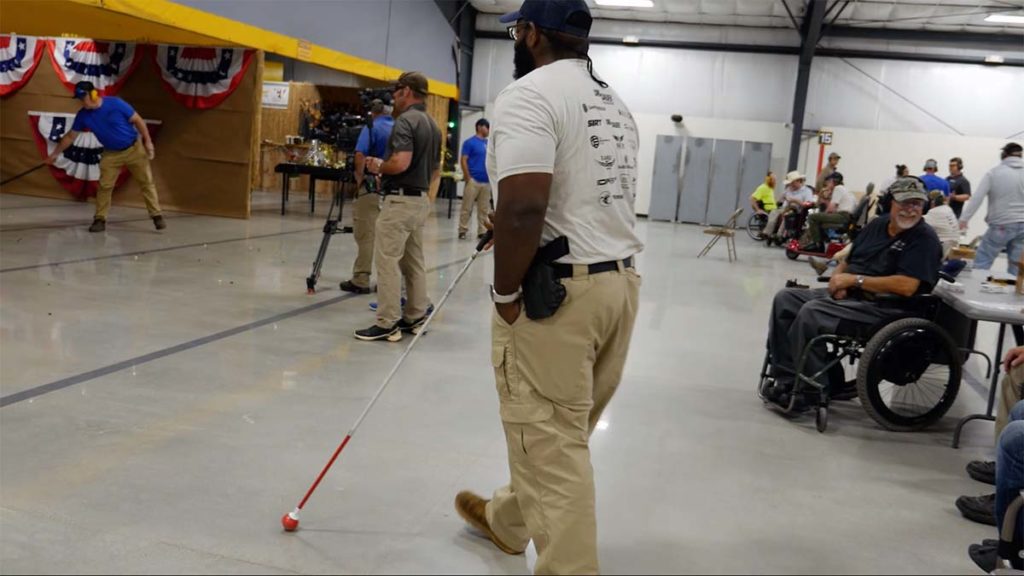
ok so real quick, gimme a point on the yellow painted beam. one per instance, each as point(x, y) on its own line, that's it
point(237, 33)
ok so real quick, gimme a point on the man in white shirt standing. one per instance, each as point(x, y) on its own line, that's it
point(563, 155)
point(838, 214)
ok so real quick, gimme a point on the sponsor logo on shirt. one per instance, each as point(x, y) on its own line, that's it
point(613, 124)
point(606, 161)
point(605, 199)
point(592, 107)
point(592, 123)
point(606, 98)
point(596, 142)
point(605, 181)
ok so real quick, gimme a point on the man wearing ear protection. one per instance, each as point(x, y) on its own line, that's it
point(126, 143)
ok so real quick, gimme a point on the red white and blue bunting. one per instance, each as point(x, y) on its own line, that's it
point(106, 64)
point(78, 168)
point(201, 77)
point(19, 56)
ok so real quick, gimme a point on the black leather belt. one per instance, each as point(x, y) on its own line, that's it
point(403, 192)
point(565, 270)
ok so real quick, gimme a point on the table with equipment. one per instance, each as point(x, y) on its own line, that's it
point(971, 296)
point(287, 170)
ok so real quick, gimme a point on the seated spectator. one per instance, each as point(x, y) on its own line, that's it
point(763, 199)
point(796, 194)
point(866, 211)
point(943, 220)
point(895, 254)
point(837, 215)
point(982, 509)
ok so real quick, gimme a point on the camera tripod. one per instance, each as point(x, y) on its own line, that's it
point(330, 229)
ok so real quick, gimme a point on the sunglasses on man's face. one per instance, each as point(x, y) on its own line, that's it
point(513, 31)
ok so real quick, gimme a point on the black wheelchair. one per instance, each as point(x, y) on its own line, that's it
point(908, 366)
point(756, 225)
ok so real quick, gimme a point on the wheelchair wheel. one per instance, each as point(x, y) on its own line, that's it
point(821, 419)
point(792, 255)
point(909, 374)
point(755, 226)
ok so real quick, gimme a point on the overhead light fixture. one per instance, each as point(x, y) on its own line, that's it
point(625, 3)
point(1006, 18)
point(630, 39)
point(994, 59)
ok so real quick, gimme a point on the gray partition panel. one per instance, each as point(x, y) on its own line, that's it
point(665, 180)
point(696, 178)
point(725, 180)
point(757, 159)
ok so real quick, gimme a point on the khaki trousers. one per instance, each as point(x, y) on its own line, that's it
point(1012, 392)
point(554, 379)
point(137, 162)
point(478, 194)
point(365, 210)
point(398, 252)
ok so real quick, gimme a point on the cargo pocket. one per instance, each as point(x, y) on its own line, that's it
point(501, 360)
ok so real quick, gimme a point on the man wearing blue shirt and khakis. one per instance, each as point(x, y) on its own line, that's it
point(118, 128)
point(478, 187)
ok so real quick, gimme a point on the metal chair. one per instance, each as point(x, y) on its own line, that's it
point(727, 231)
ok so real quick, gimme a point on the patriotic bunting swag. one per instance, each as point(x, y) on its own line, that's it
point(19, 56)
point(106, 64)
point(201, 77)
point(78, 168)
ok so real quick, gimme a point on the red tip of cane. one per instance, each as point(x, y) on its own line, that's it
point(289, 522)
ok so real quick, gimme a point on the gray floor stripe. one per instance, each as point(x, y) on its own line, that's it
point(84, 224)
point(155, 250)
point(110, 369)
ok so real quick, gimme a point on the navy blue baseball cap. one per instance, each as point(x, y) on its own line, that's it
point(558, 15)
point(82, 89)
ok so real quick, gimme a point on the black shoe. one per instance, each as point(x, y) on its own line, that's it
point(984, 472)
point(848, 391)
point(348, 286)
point(412, 326)
point(158, 221)
point(980, 509)
point(393, 334)
point(462, 235)
point(985, 555)
point(98, 225)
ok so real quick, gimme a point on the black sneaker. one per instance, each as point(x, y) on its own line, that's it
point(348, 286)
point(985, 555)
point(980, 509)
point(98, 225)
point(412, 326)
point(462, 235)
point(393, 334)
point(158, 221)
point(984, 472)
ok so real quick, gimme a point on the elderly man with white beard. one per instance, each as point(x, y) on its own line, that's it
point(897, 253)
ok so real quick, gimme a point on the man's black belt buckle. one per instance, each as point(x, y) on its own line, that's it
point(403, 192)
point(565, 270)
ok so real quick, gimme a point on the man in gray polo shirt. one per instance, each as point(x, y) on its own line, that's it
point(412, 166)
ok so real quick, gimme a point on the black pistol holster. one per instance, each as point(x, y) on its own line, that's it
point(542, 292)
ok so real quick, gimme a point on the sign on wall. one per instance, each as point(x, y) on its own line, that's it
point(275, 94)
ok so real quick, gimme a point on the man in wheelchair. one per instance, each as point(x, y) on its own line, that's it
point(896, 254)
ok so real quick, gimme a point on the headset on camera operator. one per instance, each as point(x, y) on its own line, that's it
point(372, 142)
point(410, 171)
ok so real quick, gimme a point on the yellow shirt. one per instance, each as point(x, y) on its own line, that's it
point(766, 196)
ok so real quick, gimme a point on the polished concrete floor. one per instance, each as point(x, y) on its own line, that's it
point(166, 397)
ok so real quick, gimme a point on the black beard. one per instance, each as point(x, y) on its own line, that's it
point(523, 60)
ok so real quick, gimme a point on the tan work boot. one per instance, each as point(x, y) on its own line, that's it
point(819, 266)
point(472, 509)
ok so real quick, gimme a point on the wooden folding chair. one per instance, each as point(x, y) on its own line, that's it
point(728, 231)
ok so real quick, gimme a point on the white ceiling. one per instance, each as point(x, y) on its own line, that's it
point(935, 15)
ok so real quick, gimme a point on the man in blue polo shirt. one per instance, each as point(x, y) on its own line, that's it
point(478, 186)
point(126, 143)
point(933, 181)
point(366, 207)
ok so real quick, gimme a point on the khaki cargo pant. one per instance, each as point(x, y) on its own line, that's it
point(479, 195)
point(137, 162)
point(398, 252)
point(554, 378)
point(365, 210)
point(1011, 393)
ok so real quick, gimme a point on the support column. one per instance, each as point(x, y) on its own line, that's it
point(810, 33)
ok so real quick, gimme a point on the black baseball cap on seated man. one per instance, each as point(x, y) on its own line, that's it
point(556, 15)
point(83, 89)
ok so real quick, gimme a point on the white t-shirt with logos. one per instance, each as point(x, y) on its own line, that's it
point(843, 199)
point(557, 120)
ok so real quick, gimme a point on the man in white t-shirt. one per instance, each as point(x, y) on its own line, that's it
point(942, 219)
point(795, 195)
point(563, 156)
point(837, 215)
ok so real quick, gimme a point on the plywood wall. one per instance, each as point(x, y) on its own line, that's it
point(203, 157)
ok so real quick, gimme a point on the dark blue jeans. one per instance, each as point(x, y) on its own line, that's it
point(1010, 469)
